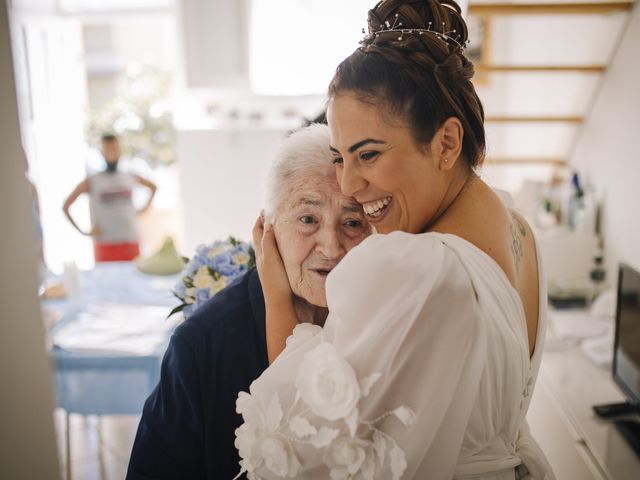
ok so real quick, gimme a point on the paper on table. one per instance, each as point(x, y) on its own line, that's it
point(125, 329)
point(578, 325)
point(599, 350)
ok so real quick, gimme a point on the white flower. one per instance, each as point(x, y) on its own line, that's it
point(202, 278)
point(398, 461)
point(241, 258)
point(247, 406)
point(301, 427)
point(276, 456)
point(301, 333)
point(217, 285)
point(218, 249)
point(351, 458)
point(258, 441)
point(274, 414)
point(324, 437)
point(327, 383)
point(246, 438)
point(191, 296)
point(271, 454)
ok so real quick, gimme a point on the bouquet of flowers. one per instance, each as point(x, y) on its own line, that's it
point(211, 269)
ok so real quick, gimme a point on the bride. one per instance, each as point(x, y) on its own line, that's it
point(426, 364)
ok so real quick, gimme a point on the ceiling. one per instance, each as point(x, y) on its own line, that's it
point(539, 68)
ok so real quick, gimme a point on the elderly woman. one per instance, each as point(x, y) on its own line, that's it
point(187, 428)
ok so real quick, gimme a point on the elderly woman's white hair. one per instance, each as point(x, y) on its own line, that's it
point(303, 152)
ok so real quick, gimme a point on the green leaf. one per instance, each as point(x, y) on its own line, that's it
point(252, 257)
point(179, 308)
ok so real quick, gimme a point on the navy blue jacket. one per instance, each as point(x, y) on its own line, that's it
point(188, 423)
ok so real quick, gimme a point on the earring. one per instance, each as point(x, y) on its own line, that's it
point(446, 160)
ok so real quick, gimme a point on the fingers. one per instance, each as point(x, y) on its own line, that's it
point(269, 245)
point(257, 233)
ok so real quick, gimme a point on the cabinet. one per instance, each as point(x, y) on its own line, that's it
point(577, 443)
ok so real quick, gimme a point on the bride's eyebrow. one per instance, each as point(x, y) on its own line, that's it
point(359, 144)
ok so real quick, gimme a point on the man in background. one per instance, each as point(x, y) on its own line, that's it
point(113, 216)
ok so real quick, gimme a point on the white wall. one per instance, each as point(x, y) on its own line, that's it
point(112, 45)
point(214, 41)
point(608, 150)
point(222, 178)
point(27, 439)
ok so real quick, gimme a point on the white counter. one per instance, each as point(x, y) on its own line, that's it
point(577, 443)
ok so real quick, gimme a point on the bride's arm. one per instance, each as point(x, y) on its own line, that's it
point(281, 317)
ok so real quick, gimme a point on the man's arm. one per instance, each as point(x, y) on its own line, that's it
point(170, 439)
point(82, 187)
point(152, 188)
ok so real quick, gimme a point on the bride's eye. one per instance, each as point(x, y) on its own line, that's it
point(368, 155)
point(337, 161)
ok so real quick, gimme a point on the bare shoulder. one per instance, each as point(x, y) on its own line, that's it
point(483, 219)
point(504, 235)
point(516, 255)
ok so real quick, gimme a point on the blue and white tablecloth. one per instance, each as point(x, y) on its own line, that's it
point(108, 345)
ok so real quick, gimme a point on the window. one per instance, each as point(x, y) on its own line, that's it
point(296, 45)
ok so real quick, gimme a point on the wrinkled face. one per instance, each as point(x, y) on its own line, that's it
point(111, 151)
point(378, 163)
point(315, 226)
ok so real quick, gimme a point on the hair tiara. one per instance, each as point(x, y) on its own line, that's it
point(396, 28)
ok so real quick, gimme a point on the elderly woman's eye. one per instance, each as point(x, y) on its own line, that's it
point(307, 219)
point(354, 223)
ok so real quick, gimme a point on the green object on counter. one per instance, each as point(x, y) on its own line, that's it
point(165, 261)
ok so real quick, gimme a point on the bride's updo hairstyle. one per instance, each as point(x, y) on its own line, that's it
point(412, 64)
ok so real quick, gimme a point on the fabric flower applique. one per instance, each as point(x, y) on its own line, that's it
point(323, 418)
point(301, 333)
point(259, 442)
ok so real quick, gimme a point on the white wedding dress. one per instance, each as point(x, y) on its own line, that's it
point(422, 371)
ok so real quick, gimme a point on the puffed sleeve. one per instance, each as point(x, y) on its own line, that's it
point(169, 439)
point(404, 306)
point(386, 389)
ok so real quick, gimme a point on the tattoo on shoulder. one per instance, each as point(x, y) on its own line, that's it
point(517, 232)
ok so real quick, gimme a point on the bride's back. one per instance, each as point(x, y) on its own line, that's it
point(481, 218)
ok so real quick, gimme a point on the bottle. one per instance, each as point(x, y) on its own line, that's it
point(71, 280)
point(575, 201)
point(598, 273)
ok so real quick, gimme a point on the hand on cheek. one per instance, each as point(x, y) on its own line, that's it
point(273, 276)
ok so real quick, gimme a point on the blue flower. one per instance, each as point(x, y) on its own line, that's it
point(227, 259)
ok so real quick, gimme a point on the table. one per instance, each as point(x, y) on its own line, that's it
point(108, 381)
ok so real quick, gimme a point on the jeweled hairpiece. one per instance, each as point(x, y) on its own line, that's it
point(446, 36)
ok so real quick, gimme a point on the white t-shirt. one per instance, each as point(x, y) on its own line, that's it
point(112, 209)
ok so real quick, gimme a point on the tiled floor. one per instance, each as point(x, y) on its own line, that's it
point(117, 434)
